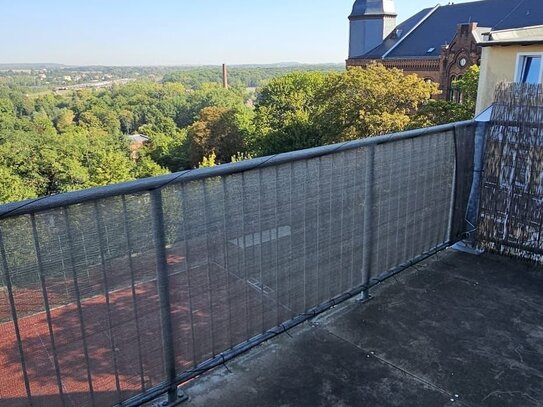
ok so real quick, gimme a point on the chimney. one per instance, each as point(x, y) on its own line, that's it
point(224, 76)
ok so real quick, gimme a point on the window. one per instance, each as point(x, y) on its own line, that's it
point(529, 69)
point(453, 89)
point(459, 94)
point(455, 93)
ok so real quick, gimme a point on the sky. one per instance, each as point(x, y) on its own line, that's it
point(179, 32)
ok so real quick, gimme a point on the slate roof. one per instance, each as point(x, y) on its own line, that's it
point(432, 28)
point(372, 7)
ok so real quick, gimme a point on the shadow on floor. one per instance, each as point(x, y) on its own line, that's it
point(458, 330)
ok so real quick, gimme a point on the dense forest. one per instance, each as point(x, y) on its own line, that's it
point(52, 143)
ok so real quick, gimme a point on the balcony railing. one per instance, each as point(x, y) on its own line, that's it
point(116, 295)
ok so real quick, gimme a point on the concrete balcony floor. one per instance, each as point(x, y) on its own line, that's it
point(457, 330)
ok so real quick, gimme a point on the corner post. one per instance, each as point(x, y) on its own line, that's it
point(369, 192)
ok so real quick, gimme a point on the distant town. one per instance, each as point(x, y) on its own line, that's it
point(59, 78)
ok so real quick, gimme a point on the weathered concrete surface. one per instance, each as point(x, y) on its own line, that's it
point(458, 330)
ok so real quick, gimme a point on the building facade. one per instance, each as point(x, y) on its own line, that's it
point(514, 55)
point(437, 44)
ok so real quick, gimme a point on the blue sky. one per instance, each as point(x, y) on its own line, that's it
point(174, 32)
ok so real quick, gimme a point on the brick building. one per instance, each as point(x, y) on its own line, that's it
point(438, 43)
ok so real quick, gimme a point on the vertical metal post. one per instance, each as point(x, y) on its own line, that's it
point(475, 192)
point(454, 190)
point(164, 295)
point(13, 310)
point(369, 189)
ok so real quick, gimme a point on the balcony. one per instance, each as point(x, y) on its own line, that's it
point(456, 330)
point(118, 295)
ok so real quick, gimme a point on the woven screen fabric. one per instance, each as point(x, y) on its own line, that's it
point(511, 212)
point(80, 307)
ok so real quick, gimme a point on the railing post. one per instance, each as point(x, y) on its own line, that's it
point(14, 317)
point(369, 189)
point(468, 244)
point(475, 193)
point(163, 288)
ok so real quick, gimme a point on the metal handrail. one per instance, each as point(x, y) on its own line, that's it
point(148, 184)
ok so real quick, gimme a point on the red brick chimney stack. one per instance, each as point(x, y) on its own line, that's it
point(224, 76)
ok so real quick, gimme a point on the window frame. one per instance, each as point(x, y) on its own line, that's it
point(520, 59)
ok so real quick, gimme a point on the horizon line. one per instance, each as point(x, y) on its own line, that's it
point(291, 63)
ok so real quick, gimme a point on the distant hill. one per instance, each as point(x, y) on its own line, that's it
point(33, 66)
point(64, 77)
point(169, 67)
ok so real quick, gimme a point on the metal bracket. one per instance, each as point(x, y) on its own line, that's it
point(365, 297)
point(467, 248)
point(165, 402)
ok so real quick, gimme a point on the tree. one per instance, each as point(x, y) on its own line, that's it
point(369, 102)
point(440, 111)
point(284, 114)
point(146, 167)
point(468, 86)
point(7, 116)
point(126, 118)
point(208, 95)
point(289, 98)
point(217, 131)
point(109, 167)
point(13, 187)
point(208, 161)
point(64, 120)
point(56, 143)
point(297, 135)
point(167, 150)
point(305, 110)
point(42, 124)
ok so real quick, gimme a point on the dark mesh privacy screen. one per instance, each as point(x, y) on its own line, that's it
point(80, 305)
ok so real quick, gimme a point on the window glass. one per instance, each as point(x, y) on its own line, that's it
point(530, 69)
point(452, 89)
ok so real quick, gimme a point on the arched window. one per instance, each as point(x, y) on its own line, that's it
point(452, 89)
point(459, 96)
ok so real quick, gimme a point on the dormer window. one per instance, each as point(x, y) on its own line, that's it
point(430, 50)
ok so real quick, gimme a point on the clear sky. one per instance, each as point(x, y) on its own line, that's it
point(179, 32)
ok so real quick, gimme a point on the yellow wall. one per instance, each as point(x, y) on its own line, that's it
point(498, 64)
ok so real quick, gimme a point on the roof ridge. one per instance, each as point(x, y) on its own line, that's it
point(411, 31)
